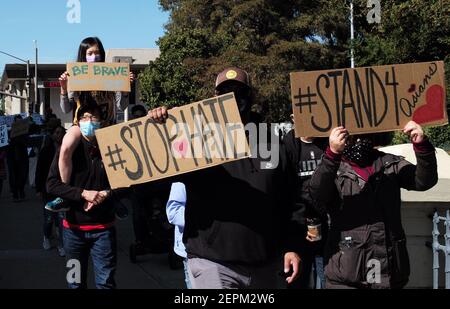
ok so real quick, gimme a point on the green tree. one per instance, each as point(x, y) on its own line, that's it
point(271, 38)
point(268, 38)
point(410, 31)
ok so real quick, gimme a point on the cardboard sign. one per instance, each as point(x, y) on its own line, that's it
point(370, 99)
point(194, 137)
point(3, 135)
point(20, 127)
point(99, 76)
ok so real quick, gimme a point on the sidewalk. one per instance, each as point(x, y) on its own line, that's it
point(25, 265)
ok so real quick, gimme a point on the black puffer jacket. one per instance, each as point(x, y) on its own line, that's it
point(366, 229)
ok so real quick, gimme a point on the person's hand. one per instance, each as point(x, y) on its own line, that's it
point(88, 206)
point(92, 196)
point(310, 237)
point(338, 137)
point(132, 77)
point(414, 131)
point(291, 259)
point(63, 82)
point(158, 114)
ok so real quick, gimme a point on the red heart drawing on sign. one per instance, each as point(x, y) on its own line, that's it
point(180, 147)
point(433, 109)
point(412, 88)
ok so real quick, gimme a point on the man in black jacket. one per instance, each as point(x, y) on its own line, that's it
point(89, 224)
point(360, 189)
point(237, 214)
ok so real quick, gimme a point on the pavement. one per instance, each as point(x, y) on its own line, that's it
point(25, 265)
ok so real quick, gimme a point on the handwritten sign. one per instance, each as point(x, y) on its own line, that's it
point(369, 99)
point(195, 136)
point(99, 76)
point(3, 135)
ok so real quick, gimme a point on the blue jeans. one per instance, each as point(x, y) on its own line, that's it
point(319, 274)
point(101, 245)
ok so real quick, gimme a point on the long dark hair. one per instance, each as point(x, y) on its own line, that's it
point(88, 43)
point(94, 97)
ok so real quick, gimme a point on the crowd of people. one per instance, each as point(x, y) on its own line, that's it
point(314, 220)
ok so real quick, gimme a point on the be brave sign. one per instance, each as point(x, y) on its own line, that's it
point(368, 99)
point(99, 77)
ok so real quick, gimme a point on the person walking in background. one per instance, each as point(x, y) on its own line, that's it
point(51, 144)
point(175, 214)
point(17, 158)
point(2, 167)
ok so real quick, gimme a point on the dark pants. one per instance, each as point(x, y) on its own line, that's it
point(18, 173)
point(101, 245)
point(141, 216)
point(51, 218)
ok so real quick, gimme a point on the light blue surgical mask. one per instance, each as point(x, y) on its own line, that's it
point(88, 128)
point(93, 58)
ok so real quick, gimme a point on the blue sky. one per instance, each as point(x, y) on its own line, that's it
point(118, 23)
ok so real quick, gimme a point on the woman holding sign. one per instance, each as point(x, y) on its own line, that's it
point(359, 187)
point(90, 50)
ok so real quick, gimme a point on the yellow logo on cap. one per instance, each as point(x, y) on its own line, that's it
point(231, 74)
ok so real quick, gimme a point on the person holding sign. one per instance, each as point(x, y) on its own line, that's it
point(237, 214)
point(89, 224)
point(90, 50)
point(359, 187)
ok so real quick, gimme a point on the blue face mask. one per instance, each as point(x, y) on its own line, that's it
point(88, 128)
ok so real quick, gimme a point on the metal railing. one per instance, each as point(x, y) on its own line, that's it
point(438, 247)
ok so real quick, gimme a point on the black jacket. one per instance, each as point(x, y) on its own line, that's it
point(303, 207)
point(366, 225)
point(239, 212)
point(88, 173)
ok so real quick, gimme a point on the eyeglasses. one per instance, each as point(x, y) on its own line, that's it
point(89, 117)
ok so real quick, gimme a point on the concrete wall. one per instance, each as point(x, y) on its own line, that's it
point(418, 225)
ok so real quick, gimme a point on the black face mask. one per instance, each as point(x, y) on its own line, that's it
point(359, 152)
point(242, 96)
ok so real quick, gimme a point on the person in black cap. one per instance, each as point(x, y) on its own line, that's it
point(236, 223)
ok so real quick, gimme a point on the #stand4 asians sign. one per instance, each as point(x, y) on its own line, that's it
point(195, 136)
point(368, 99)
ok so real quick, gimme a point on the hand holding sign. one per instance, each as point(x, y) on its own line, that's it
point(368, 100)
point(158, 114)
point(414, 131)
point(338, 137)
